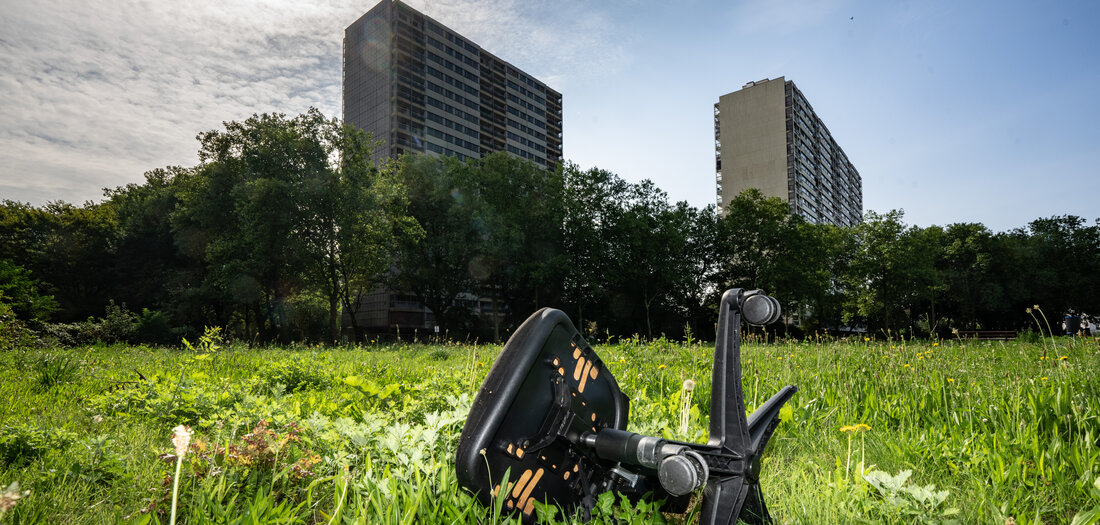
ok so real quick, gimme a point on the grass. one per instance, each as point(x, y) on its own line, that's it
point(987, 431)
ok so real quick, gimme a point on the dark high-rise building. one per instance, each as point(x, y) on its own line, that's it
point(768, 137)
point(421, 87)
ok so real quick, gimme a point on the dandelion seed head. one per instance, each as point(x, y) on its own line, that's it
point(181, 438)
point(689, 385)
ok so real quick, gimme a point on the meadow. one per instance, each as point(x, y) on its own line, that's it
point(880, 431)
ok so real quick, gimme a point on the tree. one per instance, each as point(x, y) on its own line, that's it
point(891, 270)
point(354, 215)
point(281, 206)
point(592, 206)
point(438, 268)
point(23, 293)
point(518, 207)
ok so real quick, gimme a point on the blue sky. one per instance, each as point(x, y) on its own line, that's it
point(953, 111)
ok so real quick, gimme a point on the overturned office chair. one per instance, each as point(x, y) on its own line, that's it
point(552, 416)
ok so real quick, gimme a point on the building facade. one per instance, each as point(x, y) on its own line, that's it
point(421, 87)
point(767, 136)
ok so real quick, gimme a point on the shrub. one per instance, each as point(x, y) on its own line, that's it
point(295, 375)
point(118, 325)
point(13, 333)
point(20, 444)
point(153, 327)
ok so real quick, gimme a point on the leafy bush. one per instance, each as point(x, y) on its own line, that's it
point(154, 327)
point(118, 325)
point(22, 293)
point(295, 375)
point(20, 444)
point(13, 333)
point(172, 400)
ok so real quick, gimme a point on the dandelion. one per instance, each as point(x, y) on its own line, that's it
point(10, 496)
point(661, 367)
point(858, 427)
point(1045, 378)
point(1063, 358)
point(685, 406)
point(950, 380)
point(936, 343)
point(181, 438)
point(865, 339)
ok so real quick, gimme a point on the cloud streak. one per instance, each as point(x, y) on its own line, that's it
point(92, 94)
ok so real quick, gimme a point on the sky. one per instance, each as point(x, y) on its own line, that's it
point(983, 111)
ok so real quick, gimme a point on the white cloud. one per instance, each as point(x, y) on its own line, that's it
point(94, 93)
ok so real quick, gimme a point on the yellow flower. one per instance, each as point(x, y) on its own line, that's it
point(1045, 378)
point(936, 344)
point(906, 365)
point(1064, 358)
point(950, 380)
point(861, 426)
point(660, 367)
point(865, 339)
point(847, 428)
point(780, 358)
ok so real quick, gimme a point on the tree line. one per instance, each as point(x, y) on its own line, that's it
point(287, 223)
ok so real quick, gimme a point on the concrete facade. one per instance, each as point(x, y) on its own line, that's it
point(767, 136)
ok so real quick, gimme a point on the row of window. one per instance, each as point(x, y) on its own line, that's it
point(526, 105)
point(526, 80)
point(530, 131)
point(452, 81)
point(445, 151)
point(454, 96)
point(525, 154)
point(527, 93)
point(525, 116)
point(447, 108)
point(457, 141)
point(451, 66)
point(454, 53)
point(454, 125)
point(463, 58)
point(452, 38)
point(529, 143)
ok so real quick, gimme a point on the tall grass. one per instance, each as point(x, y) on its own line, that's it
point(986, 431)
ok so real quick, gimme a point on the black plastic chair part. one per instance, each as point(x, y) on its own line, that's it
point(549, 425)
